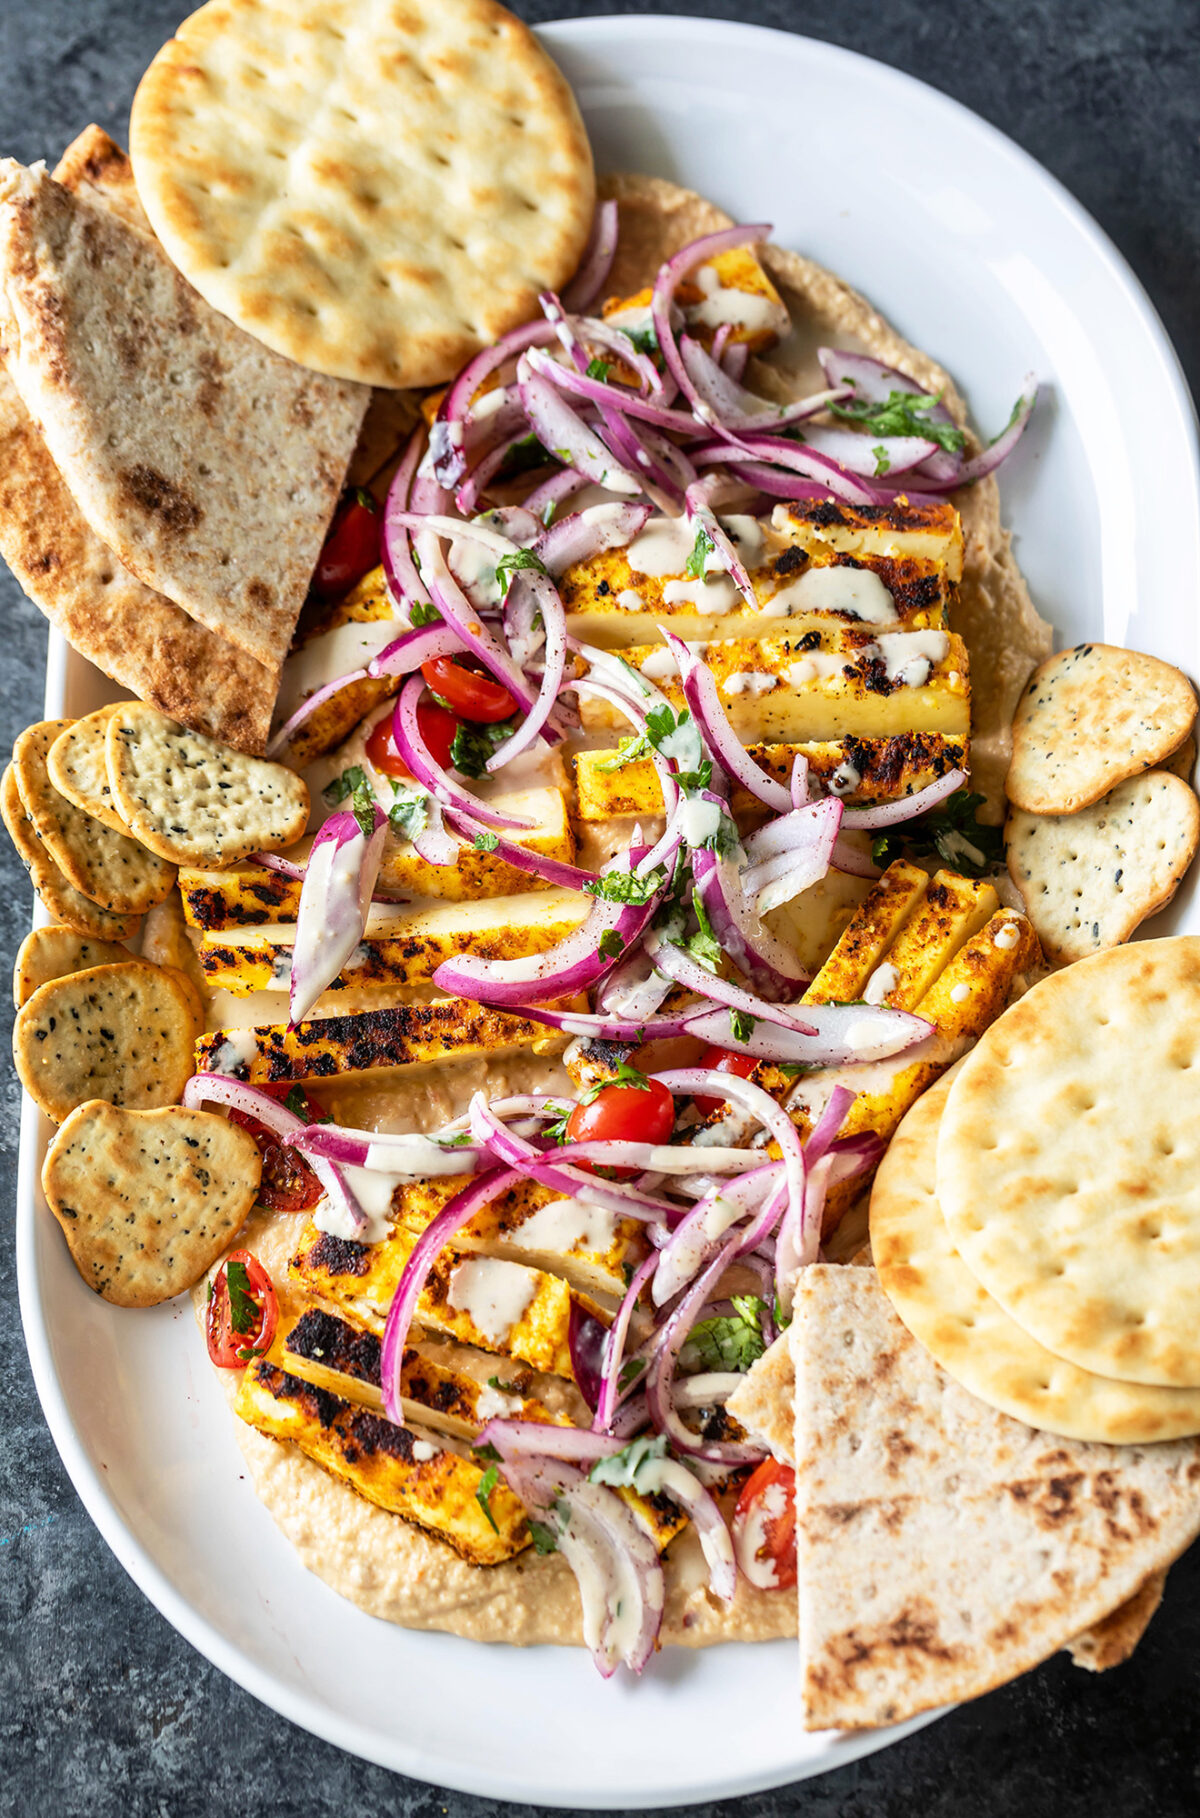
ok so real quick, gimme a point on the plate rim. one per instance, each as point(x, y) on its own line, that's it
point(308, 1711)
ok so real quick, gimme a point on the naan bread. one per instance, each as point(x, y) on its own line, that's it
point(210, 466)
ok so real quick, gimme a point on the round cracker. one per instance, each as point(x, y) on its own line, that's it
point(1068, 1162)
point(196, 802)
point(109, 868)
point(64, 902)
point(148, 1200)
point(56, 953)
point(374, 188)
point(970, 1335)
point(76, 767)
point(124, 1033)
point(1090, 717)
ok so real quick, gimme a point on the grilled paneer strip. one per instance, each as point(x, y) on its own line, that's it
point(499, 1306)
point(593, 1249)
point(335, 644)
point(823, 685)
point(401, 1469)
point(901, 531)
point(857, 770)
point(732, 288)
point(403, 945)
point(450, 1394)
point(247, 895)
point(371, 1041)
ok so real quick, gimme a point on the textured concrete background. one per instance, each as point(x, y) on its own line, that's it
point(104, 1711)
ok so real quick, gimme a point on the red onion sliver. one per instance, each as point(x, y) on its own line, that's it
point(597, 259)
point(892, 814)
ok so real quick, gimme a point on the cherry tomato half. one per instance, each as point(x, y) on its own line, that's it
point(764, 1526)
point(241, 1324)
point(437, 727)
point(723, 1060)
point(473, 696)
point(352, 547)
point(623, 1114)
point(288, 1184)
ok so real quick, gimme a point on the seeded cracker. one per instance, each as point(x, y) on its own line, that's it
point(1088, 879)
point(62, 900)
point(971, 1336)
point(76, 767)
point(110, 868)
point(1068, 1162)
point(1089, 718)
point(123, 1033)
point(196, 802)
point(56, 953)
point(148, 1200)
point(374, 189)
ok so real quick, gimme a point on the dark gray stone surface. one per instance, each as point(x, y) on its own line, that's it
point(104, 1711)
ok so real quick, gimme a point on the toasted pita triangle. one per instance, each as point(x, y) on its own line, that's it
point(943, 1548)
point(208, 464)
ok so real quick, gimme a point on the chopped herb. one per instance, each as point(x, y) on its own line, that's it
point(483, 1494)
point(782, 1319)
point(296, 1103)
point(461, 1140)
point(882, 463)
point(244, 1310)
point(620, 1471)
point(506, 1388)
point(628, 751)
point(248, 1352)
point(951, 832)
point(741, 1025)
point(612, 943)
point(419, 613)
point(487, 1451)
point(626, 886)
point(702, 548)
point(906, 413)
point(486, 842)
point(523, 455)
point(678, 737)
point(549, 510)
point(543, 1538)
point(793, 1069)
point(703, 945)
point(599, 369)
point(729, 1341)
point(644, 339)
point(353, 783)
point(474, 744)
point(625, 1075)
point(631, 1369)
point(508, 565)
point(409, 812)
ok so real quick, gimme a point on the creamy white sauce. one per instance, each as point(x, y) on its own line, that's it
point(1007, 937)
point(740, 308)
point(564, 1226)
point(751, 1534)
point(711, 596)
point(748, 536)
point(631, 601)
point(815, 666)
point(854, 593)
point(494, 1404)
point(423, 1450)
point(334, 653)
point(493, 1294)
point(237, 1050)
point(699, 820)
point(959, 994)
point(749, 681)
point(660, 665)
point(884, 979)
point(909, 656)
point(662, 547)
point(845, 780)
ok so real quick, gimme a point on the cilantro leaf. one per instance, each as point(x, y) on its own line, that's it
point(631, 1369)
point(508, 565)
point(620, 1471)
point(296, 1103)
point(419, 613)
point(882, 463)
point(703, 945)
point(626, 886)
point(543, 1538)
point(506, 1388)
point(644, 339)
point(702, 548)
point(409, 812)
point(486, 842)
point(528, 452)
point(336, 791)
point(612, 943)
point(729, 1341)
point(625, 1075)
point(474, 744)
point(951, 832)
point(905, 413)
point(461, 1140)
point(599, 369)
point(741, 1026)
point(678, 737)
point(483, 1493)
point(244, 1310)
point(628, 751)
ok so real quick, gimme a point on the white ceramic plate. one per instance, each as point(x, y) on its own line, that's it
point(976, 254)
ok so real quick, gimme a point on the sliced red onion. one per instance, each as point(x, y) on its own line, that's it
point(702, 1232)
point(488, 464)
point(634, 1604)
point(549, 607)
point(567, 436)
point(799, 783)
point(892, 814)
point(596, 332)
point(610, 1026)
point(583, 534)
point(459, 613)
point(634, 989)
point(788, 874)
point(404, 583)
point(734, 408)
point(800, 1232)
point(873, 380)
point(515, 1439)
point(667, 1477)
point(309, 706)
point(618, 398)
point(597, 259)
point(874, 456)
point(773, 481)
point(609, 1388)
point(690, 1081)
point(221, 1089)
point(586, 1339)
point(437, 1234)
point(552, 492)
point(809, 465)
point(660, 1376)
point(335, 899)
point(416, 754)
point(848, 858)
point(698, 501)
point(433, 843)
point(448, 436)
point(987, 462)
point(767, 962)
point(636, 715)
point(523, 1158)
point(704, 702)
point(670, 275)
point(734, 360)
point(412, 648)
point(271, 861)
point(417, 1156)
point(535, 864)
point(661, 1158)
point(574, 965)
point(847, 1035)
point(684, 970)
